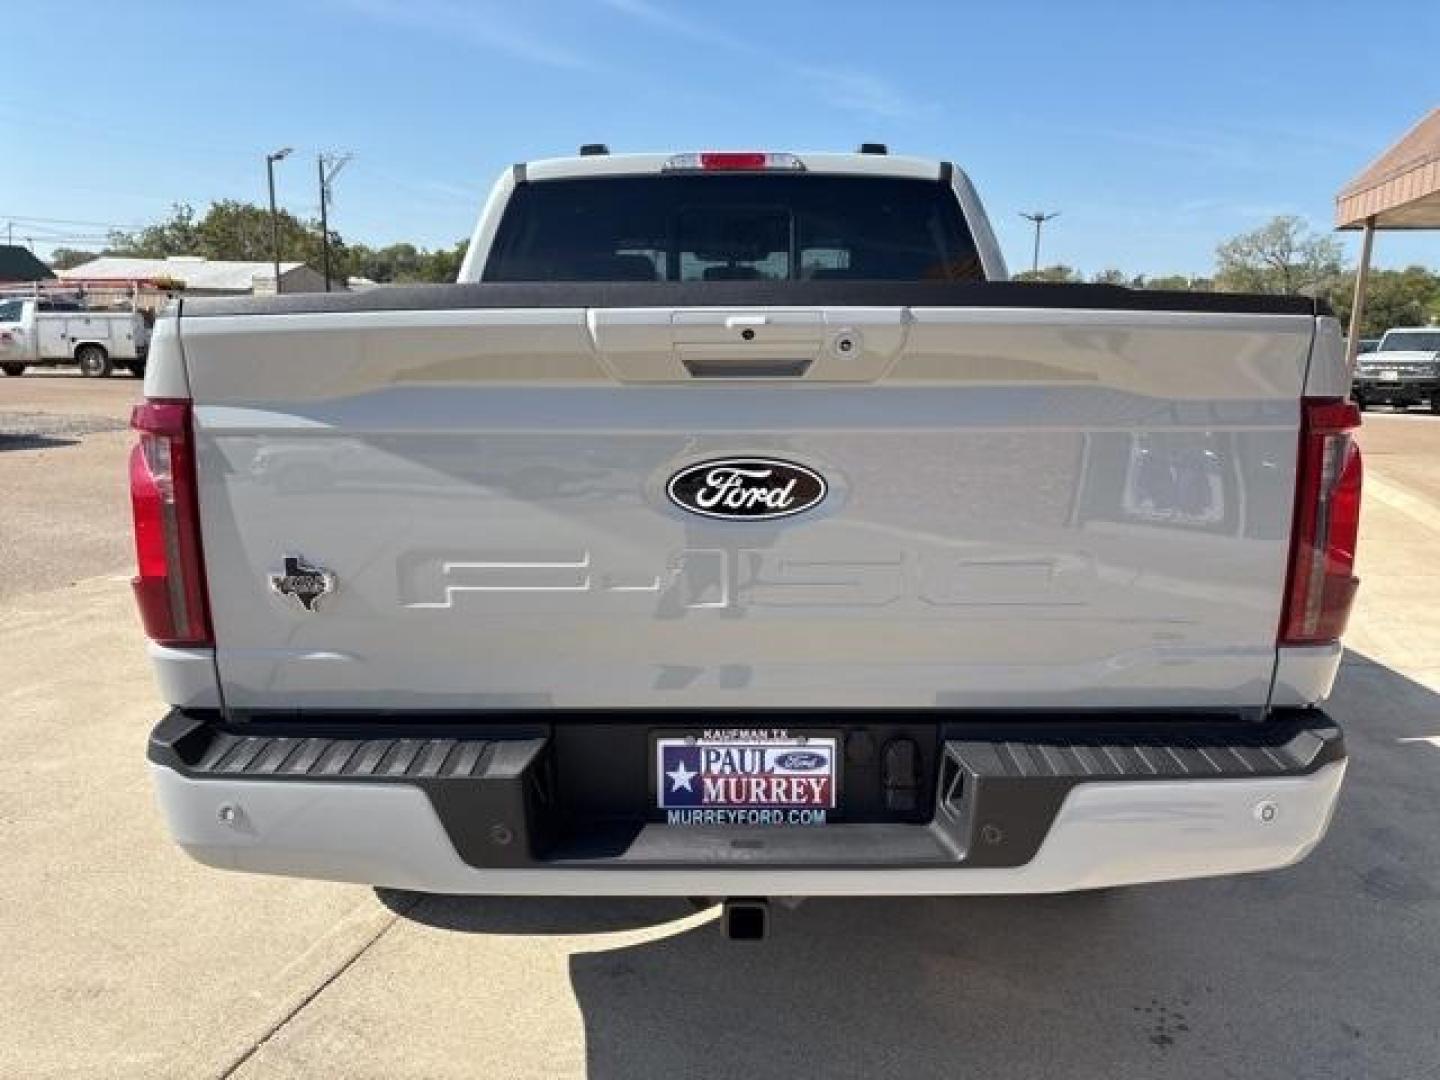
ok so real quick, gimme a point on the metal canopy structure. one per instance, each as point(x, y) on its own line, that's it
point(1398, 190)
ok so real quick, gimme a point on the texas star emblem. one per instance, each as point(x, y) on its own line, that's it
point(301, 582)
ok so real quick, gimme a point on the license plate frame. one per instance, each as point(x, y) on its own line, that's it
point(801, 804)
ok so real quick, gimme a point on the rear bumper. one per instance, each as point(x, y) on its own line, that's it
point(1021, 810)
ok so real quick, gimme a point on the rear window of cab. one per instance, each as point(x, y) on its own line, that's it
point(747, 227)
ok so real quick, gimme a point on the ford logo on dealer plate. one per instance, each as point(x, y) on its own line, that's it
point(746, 489)
point(800, 761)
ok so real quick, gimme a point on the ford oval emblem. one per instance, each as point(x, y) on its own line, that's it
point(746, 489)
point(800, 761)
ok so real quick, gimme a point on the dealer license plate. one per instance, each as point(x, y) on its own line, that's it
point(1389, 375)
point(746, 778)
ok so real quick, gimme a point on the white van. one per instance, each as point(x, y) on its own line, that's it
point(43, 331)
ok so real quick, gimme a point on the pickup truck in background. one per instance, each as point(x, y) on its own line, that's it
point(735, 528)
point(1403, 370)
point(38, 332)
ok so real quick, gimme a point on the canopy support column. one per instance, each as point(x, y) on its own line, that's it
point(1357, 308)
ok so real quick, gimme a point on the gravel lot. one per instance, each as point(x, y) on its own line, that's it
point(119, 957)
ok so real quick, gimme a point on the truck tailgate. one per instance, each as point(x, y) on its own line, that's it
point(1025, 506)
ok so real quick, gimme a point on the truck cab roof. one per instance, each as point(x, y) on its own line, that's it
point(688, 165)
point(654, 163)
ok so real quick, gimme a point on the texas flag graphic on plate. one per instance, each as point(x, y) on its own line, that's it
point(745, 778)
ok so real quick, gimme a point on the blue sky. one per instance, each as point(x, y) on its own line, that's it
point(1158, 129)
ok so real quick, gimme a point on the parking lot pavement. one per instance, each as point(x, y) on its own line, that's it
point(63, 503)
point(65, 392)
point(118, 957)
point(1396, 454)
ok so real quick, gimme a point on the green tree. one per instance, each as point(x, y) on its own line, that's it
point(236, 230)
point(1058, 272)
point(241, 231)
point(1282, 256)
point(443, 264)
point(385, 264)
point(1409, 297)
point(401, 263)
point(175, 235)
point(233, 230)
point(64, 258)
point(1175, 283)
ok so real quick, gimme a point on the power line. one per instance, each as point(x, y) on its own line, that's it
point(60, 221)
point(55, 232)
point(44, 231)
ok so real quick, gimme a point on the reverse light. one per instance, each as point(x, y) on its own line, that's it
point(1321, 584)
point(733, 161)
point(170, 584)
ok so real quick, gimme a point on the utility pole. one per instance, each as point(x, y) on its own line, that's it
point(1039, 217)
point(270, 159)
point(328, 167)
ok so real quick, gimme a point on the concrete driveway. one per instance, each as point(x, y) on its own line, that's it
point(118, 957)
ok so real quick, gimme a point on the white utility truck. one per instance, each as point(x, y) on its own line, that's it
point(41, 331)
point(734, 528)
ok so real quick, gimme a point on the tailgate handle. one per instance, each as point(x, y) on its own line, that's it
point(745, 367)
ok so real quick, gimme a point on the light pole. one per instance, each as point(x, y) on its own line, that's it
point(270, 159)
point(1039, 217)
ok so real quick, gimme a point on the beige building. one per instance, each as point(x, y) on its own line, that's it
point(194, 275)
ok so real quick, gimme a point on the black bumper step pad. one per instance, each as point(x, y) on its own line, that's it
point(317, 757)
point(999, 794)
point(492, 792)
point(1281, 752)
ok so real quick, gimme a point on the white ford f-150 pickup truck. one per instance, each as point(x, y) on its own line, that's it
point(735, 528)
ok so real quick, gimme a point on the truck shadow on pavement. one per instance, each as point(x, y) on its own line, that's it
point(1325, 969)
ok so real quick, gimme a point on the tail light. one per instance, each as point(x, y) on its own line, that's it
point(170, 587)
point(1322, 583)
point(733, 161)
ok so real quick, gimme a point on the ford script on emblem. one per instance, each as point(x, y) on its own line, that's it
point(746, 489)
point(801, 761)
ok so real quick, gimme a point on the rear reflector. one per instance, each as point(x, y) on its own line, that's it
point(1322, 583)
point(170, 585)
point(733, 161)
